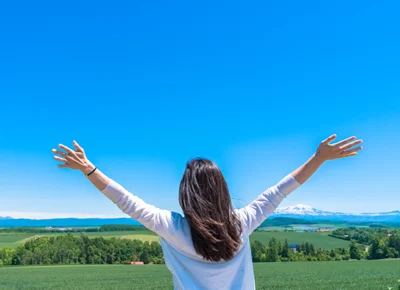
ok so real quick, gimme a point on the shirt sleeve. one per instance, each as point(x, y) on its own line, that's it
point(265, 204)
point(163, 222)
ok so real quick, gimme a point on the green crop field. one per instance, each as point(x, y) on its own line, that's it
point(297, 275)
point(320, 240)
point(116, 234)
point(144, 238)
point(12, 240)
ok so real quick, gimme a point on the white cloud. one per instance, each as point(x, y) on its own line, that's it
point(51, 215)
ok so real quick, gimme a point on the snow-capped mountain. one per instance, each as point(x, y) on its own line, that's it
point(302, 209)
point(307, 212)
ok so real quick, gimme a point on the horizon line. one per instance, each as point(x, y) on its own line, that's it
point(50, 215)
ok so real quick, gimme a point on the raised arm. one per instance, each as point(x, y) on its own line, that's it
point(163, 222)
point(265, 204)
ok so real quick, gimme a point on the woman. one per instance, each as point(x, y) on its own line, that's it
point(209, 247)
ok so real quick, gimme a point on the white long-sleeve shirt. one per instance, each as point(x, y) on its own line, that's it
point(189, 269)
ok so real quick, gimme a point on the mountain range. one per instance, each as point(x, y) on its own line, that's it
point(309, 213)
point(6, 218)
point(66, 222)
point(300, 211)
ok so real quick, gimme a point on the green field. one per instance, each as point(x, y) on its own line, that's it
point(319, 240)
point(12, 240)
point(116, 234)
point(297, 275)
point(144, 238)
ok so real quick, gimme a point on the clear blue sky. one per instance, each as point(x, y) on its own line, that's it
point(145, 85)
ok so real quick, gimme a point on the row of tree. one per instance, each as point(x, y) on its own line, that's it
point(276, 251)
point(364, 235)
point(367, 244)
point(385, 248)
point(382, 243)
point(69, 249)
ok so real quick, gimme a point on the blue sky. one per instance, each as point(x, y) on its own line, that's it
point(144, 86)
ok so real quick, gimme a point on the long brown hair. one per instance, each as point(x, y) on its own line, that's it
point(206, 203)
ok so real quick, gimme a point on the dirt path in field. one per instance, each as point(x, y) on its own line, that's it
point(30, 238)
point(123, 237)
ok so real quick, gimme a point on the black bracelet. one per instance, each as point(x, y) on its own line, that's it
point(90, 173)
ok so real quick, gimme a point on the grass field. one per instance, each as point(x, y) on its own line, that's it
point(117, 234)
point(144, 238)
point(12, 240)
point(319, 240)
point(298, 275)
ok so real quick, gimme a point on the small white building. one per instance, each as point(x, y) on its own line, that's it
point(293, 247)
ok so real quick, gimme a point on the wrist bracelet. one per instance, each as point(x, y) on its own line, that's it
point(87, 175)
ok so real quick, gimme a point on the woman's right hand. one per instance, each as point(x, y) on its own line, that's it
point(341, 149)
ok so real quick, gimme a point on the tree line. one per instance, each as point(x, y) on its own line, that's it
point(69, 249)
point(276, 251)
point(382, 242)
point(369, 244)
point(364, 235)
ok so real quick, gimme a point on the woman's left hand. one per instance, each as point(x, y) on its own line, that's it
point(73, 159)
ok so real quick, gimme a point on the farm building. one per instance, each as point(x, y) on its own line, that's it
point(293, 247)
point(137, 263)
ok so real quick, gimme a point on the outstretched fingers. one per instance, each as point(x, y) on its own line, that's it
point(349, 155)
point(62, 165)
point(60, 159)
point(78, 147)
point(65, 148)
point(351, 151)
point(345, 141)
point(68, 156)
point(350, 145)
point(340, 149)
point(58, 152)
point(329, 139)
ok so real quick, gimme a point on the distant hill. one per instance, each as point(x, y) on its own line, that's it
point(66, 222)
point(5, 218)
point(284, 221)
